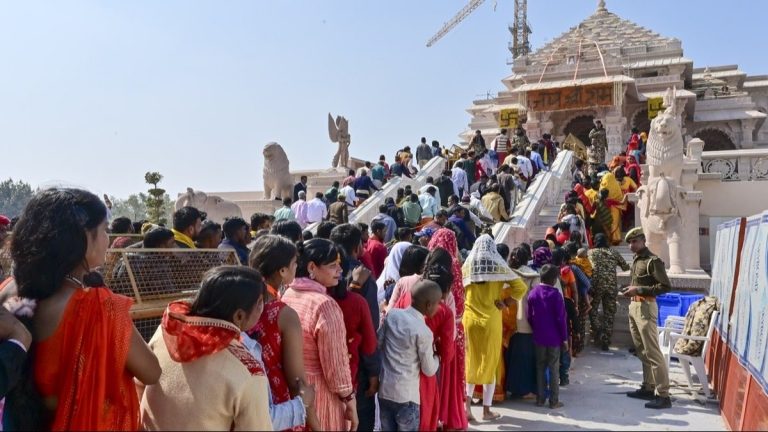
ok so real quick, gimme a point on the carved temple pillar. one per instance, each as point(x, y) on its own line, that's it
point(747, 130)
point(690, 203)
point(546, 123)
point(533, 126)
point(615, 125)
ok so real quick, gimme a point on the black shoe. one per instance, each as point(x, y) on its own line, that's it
point(540, 403)
point(642, 394)
point(556, 405)
point(564, 382)
point(605, 346)
point(660, 403)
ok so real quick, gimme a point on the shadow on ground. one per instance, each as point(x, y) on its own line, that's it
point(596, 400)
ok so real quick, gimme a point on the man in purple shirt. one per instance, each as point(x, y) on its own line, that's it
point(546, 314)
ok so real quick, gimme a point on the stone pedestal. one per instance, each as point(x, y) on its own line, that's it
point(250, 207)
point(322, 181)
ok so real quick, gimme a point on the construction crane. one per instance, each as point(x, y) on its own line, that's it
point(459, 17)
point(520, 29)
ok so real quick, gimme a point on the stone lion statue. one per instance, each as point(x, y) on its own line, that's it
point(659, 198)
point(216, 207)
point(278, 182)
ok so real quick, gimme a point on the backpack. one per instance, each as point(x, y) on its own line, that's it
point(696, 324)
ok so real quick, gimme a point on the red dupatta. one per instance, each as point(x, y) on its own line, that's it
point(190, 337)
point(446, 239)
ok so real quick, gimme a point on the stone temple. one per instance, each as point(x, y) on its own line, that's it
point(608, 68)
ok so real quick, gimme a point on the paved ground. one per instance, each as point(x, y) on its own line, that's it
point(595, 400)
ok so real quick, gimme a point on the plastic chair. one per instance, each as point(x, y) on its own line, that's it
point(697, 361)
point(672, 323)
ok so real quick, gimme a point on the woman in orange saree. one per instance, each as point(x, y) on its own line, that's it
point(86, 350)
point(88, 382)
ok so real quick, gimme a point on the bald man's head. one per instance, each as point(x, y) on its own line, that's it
point(426, 296)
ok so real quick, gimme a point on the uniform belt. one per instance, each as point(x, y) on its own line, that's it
point(639, 298)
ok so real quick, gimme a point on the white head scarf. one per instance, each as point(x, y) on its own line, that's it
point(392, 267)
point(485, 264)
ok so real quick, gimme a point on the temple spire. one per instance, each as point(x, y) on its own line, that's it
point(601, 6)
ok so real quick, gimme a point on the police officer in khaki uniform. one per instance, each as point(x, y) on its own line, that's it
point(649, 279)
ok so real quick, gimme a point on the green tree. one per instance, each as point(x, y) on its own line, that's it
point(134, 207)
point(169, 207)
point(14, 196)
point(156, 201)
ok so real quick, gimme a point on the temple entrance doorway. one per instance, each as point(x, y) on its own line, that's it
point(715, 140)
point(580, 127)
point(642, 122)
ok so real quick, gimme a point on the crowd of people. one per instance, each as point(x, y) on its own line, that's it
point(395, 325)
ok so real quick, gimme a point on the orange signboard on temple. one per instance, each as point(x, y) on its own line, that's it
point(568, 98)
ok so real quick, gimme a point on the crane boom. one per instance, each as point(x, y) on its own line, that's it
point(459, 17)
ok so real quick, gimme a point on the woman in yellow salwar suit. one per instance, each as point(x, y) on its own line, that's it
point(490, 286)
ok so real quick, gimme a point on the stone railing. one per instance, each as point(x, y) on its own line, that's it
point(658, 80)
point(584, 68)
point(737, 165)
point(733, 101)
point(370, 207)
point(544, 191)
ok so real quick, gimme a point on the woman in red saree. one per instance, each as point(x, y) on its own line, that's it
point(279, 329)
point(453, 414)
point(633, 170)
point(86, 351)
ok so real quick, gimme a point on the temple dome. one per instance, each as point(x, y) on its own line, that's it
point(618, 40)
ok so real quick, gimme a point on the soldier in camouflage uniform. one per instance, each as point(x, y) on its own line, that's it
point(520, 141)
point(597, 147)
point(604, 289)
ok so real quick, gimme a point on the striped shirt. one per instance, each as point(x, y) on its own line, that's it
point(501, 144)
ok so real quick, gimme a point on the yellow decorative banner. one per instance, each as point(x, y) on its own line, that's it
point(654, 106)
point(509, 118)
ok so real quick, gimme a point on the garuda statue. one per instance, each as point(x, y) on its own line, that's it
point(338, 131)
point(660, 211)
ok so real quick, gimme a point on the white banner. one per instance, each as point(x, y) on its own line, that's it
point(724, 267)
point(748, 268)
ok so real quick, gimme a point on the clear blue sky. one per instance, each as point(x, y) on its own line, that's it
point(95, 93)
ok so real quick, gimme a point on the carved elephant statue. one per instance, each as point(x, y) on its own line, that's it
point(215, 206)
